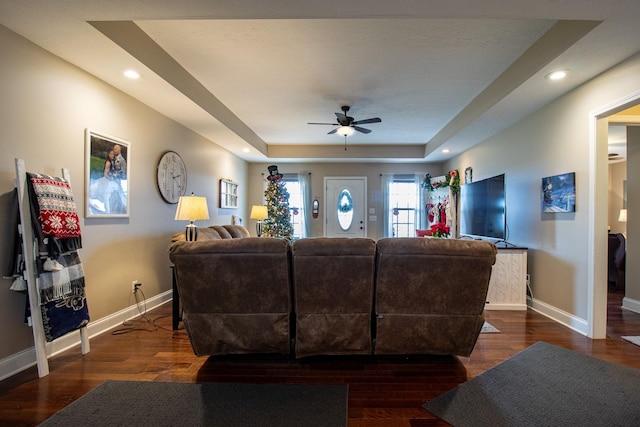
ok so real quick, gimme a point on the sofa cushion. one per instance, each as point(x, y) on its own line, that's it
point(237, 231)
point(236, 294)
point(223, 232)
point(430, 294)
point(333, 282)
point(433, 276)
point(333, 275)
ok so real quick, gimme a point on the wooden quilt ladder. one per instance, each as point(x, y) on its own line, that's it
point(30, 276)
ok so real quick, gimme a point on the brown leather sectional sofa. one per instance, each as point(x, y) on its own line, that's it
point(331, 296)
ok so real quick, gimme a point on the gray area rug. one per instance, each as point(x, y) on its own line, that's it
point(545, 385)
point(634, 339)
point(134, 403)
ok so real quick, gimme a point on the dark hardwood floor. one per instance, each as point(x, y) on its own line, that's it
point(383, 391)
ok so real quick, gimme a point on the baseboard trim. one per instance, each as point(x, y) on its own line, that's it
point(631, 304)
point(567, 319)
point(489, 306)
point(25, 359)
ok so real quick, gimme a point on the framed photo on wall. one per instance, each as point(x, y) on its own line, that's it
point(559, 193)
point(107, 175)
point(228, 193)
point(468, 175)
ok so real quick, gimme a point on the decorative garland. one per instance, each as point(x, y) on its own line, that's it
point(452, 180)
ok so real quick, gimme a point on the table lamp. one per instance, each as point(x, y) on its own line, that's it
point(192, 208)
point(260, 213)
point(623, 215)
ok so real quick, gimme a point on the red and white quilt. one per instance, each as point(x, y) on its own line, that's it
point(58, 216)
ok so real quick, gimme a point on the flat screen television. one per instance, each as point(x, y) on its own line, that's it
point(483, 209)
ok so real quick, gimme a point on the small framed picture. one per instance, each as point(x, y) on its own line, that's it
point(228, 194)
point(468, 175)
point(107, 173)
point(559, 193)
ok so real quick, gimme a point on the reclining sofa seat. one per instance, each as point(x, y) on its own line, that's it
point(333, 280)
point(427, 296)
point(430, 294)
point(236, 294)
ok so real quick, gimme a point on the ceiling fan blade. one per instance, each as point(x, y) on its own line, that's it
point(363, 130)
point(365, 121)
point(343, 119)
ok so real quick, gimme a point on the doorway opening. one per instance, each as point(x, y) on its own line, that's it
point(599, 212)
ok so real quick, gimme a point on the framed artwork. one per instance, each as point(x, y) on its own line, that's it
point(107, 172)
point(468, 175)
point(228, 194)
point(559, 193)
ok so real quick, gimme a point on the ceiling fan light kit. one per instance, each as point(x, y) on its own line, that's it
point(345, 130)
point(346, 125)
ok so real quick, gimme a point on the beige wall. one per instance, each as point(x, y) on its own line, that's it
point(46, 105)
point(258, 172)
point(550, 141)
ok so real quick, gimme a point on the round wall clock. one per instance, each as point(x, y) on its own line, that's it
point(172, 177)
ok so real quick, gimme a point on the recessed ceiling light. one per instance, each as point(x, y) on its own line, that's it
point(446, 150)
point(245, 150)
point(131, 74)
point(557, 75)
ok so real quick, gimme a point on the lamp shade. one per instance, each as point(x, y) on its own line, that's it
point(623, 215)
point(345, 130)
point(259, 212)
point(192, 208)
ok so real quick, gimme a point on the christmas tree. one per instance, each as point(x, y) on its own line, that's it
point(279, 222)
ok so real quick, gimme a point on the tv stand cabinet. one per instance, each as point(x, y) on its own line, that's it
point(508, 284)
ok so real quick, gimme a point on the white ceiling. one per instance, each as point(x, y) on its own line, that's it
point(251, 74)
point(617, 143)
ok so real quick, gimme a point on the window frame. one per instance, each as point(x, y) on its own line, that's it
point(414, 208)
point(296, 220)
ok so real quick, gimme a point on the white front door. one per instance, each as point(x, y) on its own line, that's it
point(345, 206)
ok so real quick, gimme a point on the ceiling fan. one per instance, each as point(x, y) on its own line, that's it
point(346, 124)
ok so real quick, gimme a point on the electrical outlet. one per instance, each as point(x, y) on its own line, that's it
point(134, 286)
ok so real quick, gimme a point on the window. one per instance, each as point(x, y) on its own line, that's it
point(403, 205)
point(296, 185)
point(345, 209)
